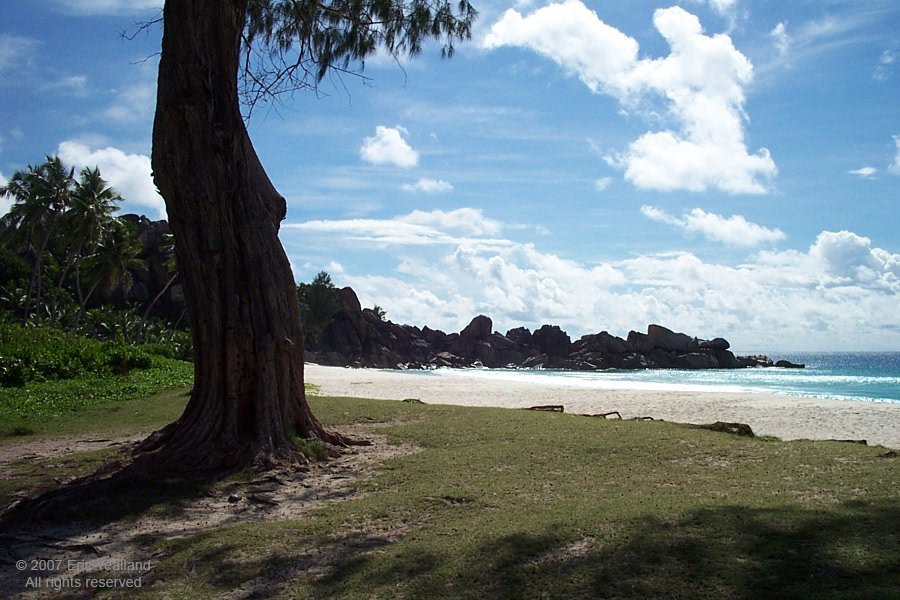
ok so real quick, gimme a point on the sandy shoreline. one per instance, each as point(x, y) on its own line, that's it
point(786, 417)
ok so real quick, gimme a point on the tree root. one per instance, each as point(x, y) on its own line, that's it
point(159, 468)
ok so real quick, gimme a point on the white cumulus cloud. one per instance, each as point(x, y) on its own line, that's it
point(129, 174)
point(864, 172)
point(388, 147)
point(734, 230)
point(573, 37)
point(851, 258)
point(428, 186)
point(701, 82)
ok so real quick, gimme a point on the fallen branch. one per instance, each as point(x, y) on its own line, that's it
point(604, 415)
point(548, 408)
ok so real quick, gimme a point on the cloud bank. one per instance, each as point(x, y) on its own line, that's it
point(839, 293)
point(701, 82)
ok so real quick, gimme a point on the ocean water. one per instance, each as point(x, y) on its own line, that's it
point(862, 376)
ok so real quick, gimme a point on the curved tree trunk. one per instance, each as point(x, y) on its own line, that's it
point(248, 400)
point(139, 336)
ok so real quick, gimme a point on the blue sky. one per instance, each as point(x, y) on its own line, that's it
point(722, 167)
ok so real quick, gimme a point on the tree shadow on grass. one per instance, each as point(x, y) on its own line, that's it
point(852, 552)
point(65, 523)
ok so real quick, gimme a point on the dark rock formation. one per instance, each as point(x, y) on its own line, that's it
point(153, 278)
point(359, 337)
point(639, 342)
point(666, 339)
point(786, 364)
point(552, 341)
point(715, 344)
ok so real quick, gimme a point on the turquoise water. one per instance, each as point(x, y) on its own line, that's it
point(864, 376)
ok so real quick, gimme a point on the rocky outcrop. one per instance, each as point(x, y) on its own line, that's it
point(639, 342)
point(552, 341)
point(668, 340)
point(359, 337)
point(154, 285)
point(786, 364)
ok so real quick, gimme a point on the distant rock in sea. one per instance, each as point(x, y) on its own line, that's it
point(361, 338)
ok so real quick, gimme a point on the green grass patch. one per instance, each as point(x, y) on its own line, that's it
point(46, 406)
point(46, 354)
point(312, 448)
point(514, 504)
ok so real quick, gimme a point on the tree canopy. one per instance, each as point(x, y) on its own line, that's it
point(293, 44)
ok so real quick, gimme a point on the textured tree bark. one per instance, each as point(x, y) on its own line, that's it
point(248, 399)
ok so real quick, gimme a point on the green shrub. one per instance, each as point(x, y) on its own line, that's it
point(170, 343)
point(121, 358)
point(12, 372)
point(45, 354)
point(31, 404)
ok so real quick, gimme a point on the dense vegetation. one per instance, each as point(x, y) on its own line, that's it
point(48, 373)
point(44, 354)
point(90, 303)
point(77, 325)
point(67, 261)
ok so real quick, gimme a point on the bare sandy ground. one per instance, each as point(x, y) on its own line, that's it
point(41, 556)
point(785, 417)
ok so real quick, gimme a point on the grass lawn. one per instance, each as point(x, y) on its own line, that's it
point(91, 402)
point(515, 504)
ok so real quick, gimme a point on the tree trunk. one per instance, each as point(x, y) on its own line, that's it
point(140, 330)
point(248, 401)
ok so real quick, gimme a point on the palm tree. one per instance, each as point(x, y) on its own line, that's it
point(41, 195)
point(109, 267)
point(86, 221)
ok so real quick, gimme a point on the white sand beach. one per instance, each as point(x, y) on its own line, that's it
point(786, 417)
